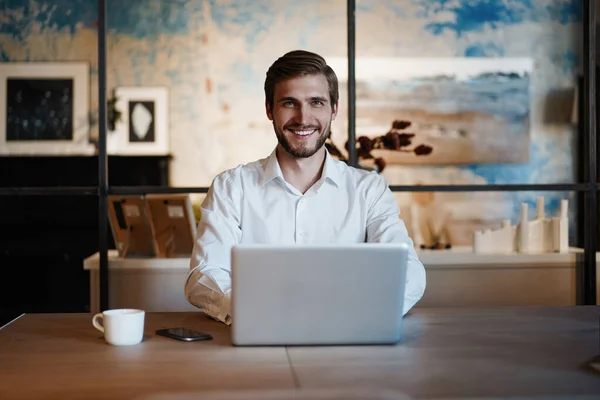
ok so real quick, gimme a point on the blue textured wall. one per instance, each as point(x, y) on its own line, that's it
point(213, 56)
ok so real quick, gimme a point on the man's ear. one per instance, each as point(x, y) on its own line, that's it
point(269, 111)
point(335, 110)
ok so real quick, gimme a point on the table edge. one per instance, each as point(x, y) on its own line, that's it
point(11, 321)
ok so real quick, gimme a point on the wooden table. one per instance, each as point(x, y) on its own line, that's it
point(447, 353)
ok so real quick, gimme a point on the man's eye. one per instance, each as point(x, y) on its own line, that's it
point(317, 103)
point(288, 103)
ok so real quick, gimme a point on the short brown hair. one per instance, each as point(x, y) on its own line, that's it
point(299, 63)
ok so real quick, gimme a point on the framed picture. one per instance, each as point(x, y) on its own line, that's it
point(44, 108)
point(143, 127)
point(454, 106)
point(173, 224)
point(131, 226)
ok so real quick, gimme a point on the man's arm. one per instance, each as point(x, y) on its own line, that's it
point(385, 226)
point(208, 285)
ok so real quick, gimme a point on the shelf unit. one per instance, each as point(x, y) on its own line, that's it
point(586, 268)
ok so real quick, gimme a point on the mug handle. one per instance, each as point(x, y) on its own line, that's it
point(96, 323)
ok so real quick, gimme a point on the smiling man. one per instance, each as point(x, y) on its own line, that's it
point(297, 195)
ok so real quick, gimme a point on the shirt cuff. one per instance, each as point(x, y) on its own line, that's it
point(224, 314)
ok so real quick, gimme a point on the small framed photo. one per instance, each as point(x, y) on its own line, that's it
point(143, 126)
point(131, 226)
point(173, 224)
point(44, 108)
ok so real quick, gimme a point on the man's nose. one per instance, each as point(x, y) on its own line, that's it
point(303, 115)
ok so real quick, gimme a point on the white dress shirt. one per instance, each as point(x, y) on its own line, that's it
point(254, 204)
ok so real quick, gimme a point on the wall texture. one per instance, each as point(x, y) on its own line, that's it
point(213, 54)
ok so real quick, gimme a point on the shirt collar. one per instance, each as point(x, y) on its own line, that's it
point(272, 170)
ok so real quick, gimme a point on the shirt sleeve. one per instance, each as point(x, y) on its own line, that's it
point(384, 225)
point(208, 284)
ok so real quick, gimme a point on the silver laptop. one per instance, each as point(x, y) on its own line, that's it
point(318, 294)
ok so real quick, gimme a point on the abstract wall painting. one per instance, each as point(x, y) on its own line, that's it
point(44, 108)
point(469, 110)
point(143, 128)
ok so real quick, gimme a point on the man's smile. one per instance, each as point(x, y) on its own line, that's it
point(302, 133)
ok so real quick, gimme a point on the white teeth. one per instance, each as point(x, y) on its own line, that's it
point(303, 133)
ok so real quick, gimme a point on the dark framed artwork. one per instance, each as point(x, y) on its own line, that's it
point(144, 124)
point(44, 108)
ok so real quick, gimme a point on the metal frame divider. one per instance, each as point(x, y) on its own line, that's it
point(586, 273)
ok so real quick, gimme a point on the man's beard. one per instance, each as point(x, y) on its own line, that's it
point(302, 152)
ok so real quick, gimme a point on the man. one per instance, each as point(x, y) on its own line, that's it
point(299, 194)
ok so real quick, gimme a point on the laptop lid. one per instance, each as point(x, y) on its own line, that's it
point(318, 294)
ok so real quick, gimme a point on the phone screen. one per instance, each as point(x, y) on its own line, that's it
point(184, 334)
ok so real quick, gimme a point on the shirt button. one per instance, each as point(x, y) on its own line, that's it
point(302, 234)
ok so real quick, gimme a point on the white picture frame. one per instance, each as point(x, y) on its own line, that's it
point(44, 125)
point(143, 127)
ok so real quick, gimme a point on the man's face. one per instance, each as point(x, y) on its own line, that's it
point(302, 114)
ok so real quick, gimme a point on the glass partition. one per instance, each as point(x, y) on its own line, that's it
point(209, 60)
point(497, 248)
point(469, 93)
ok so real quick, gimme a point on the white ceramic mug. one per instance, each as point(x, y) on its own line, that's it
point(121, 327)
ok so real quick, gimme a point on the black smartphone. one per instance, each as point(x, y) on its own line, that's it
point(185, 334)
